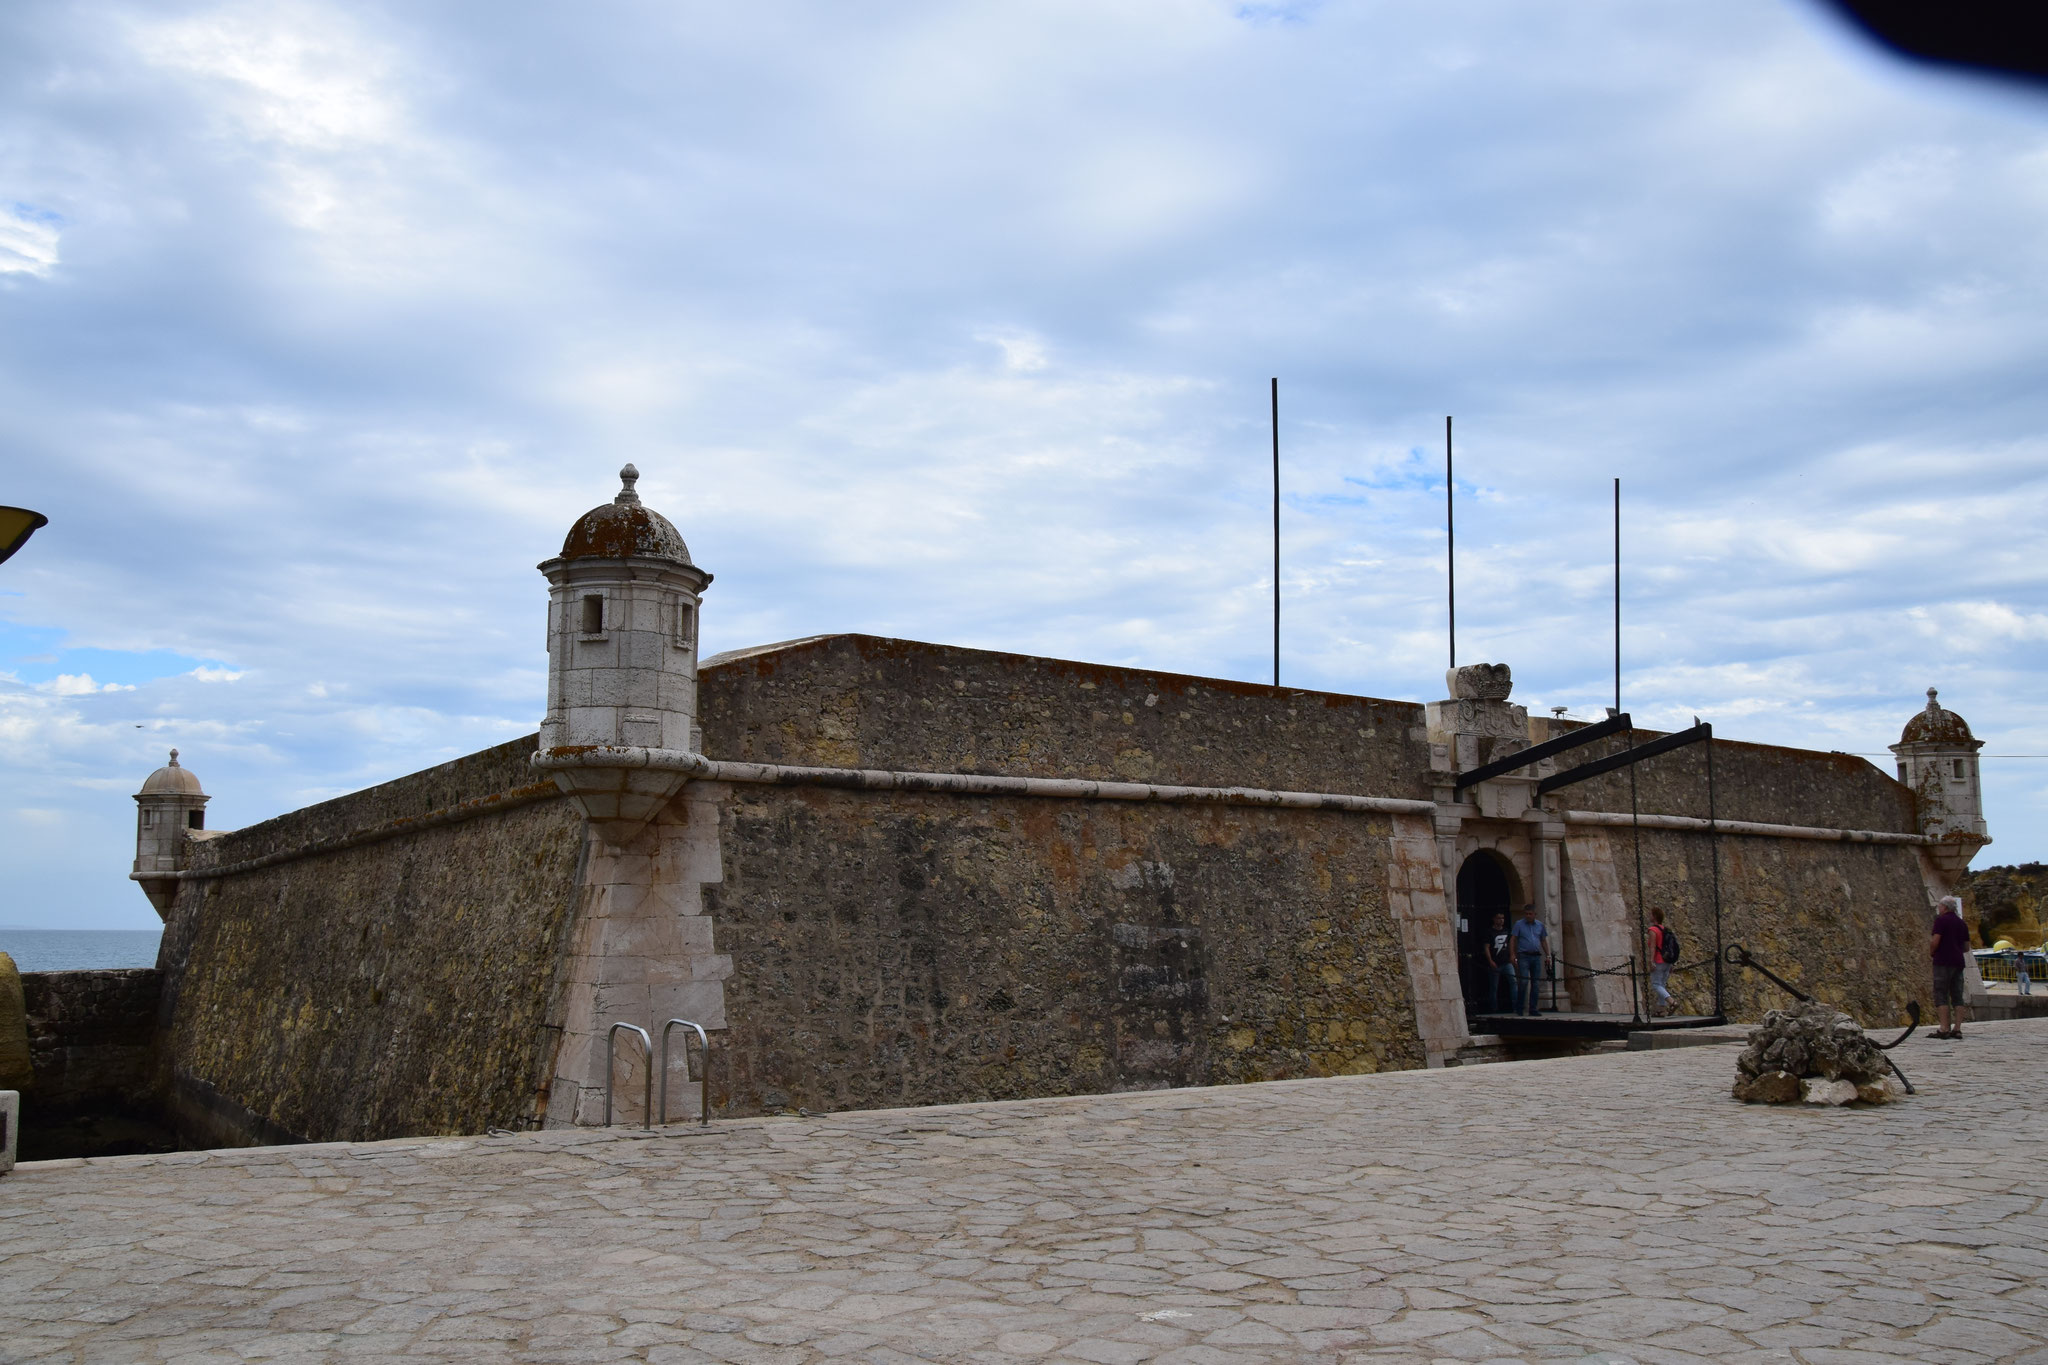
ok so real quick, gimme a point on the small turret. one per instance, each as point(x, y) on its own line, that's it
point(170, 804)
point(1938, 759)
point(622, 652)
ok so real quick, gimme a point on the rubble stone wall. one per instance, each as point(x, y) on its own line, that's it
point(89, 1037)
point(899, 949)
point(857, 701)
point(1845, 922)
point(395, 988)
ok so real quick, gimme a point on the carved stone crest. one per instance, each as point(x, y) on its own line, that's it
point(1480, 682)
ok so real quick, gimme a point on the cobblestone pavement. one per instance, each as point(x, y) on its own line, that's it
point(1615, 1208)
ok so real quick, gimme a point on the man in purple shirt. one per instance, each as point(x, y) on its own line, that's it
point(1951, 941)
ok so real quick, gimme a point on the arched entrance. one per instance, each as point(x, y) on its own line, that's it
point(1486, 887)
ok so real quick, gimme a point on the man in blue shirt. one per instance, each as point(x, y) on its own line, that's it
point(1532, 952)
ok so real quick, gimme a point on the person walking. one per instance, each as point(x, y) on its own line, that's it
point(1500, 963)
point(1663, 953)
point(1951, 941)
point(1532, 952)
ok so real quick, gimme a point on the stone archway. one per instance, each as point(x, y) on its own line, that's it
point(1487, 885)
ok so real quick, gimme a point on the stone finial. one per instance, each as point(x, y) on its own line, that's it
point(1480, 682)
point(1932, 704)
point(174, 758)
point(627, 478)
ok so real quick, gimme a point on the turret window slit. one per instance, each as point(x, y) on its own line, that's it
point(593, 615)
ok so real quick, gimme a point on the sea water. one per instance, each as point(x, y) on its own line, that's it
point(78, 950)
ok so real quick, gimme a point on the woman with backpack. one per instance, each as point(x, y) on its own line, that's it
point(1663, 957)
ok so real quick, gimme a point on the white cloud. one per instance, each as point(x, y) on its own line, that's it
point(297, 73)
point(956, 322)
point(80, 685)
point(28, 242)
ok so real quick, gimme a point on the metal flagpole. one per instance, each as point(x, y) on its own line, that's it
point(1276, 531)
point(1634, 809)
point(1714, 850)
point(1450, 542)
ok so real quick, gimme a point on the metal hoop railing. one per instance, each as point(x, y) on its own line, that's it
point(703, 1080)
point(647, 1049)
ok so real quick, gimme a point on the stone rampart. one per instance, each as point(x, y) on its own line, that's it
point(1758, 782)
point(394, 987)
point(1847, 921)
point(902, 949)
point(858, 701)
point(415, 959)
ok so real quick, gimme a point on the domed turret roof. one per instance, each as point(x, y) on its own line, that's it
point(624, 528)
point(172, 780)
point(1936, 726)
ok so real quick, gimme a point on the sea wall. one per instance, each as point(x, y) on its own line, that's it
point(901, 949)
point(90, 1036)
point(402, 985)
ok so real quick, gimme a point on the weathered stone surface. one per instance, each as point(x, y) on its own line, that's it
point(1844, 921)
point(862, 701)
point(1480, 682)
point(398, 987)
point(897, 948)
point(90, 1034)
point(2006, 903)
point(1815, 1090)
point(1771, 1087)
point(17, 1072)
point(1813, 1039)
point(1610, 1209)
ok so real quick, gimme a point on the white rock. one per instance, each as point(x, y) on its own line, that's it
point(1894, 1087)
point(1818, 1091)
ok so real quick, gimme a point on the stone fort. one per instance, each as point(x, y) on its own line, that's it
point(885, 873)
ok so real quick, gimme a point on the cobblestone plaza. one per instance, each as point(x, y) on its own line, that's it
point(1610, 1208)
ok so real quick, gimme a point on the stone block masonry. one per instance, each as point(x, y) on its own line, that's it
point(90, 1037)
point(855, 701)
point(404, 986)
point(902, 948)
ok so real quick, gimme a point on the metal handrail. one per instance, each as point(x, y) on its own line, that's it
point(704, 1081)
point(647, 1043)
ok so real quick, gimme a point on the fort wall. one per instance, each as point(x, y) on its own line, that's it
point(402, 985)
point(1846, 921)
point(859, 701)
point(446, 951)
point(90, 1036)
point(902, 949)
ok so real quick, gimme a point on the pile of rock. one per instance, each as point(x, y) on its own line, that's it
point(1814, 1054)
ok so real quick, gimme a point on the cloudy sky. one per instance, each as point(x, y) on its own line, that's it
point(319, 324)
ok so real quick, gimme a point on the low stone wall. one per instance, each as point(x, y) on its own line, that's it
point(903, 949)
point(90, 1036)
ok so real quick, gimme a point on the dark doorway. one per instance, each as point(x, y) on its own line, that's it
point(1486, 887)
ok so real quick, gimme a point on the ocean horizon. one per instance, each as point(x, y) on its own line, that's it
point(79, 950)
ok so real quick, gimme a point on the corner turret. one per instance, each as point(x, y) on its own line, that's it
point(1938, 759)
point(623, 598)
point(170, 804)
